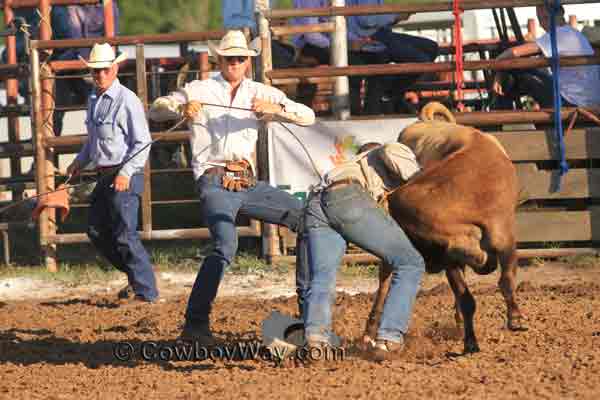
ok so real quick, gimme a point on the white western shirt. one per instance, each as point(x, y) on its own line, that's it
point(226, 134)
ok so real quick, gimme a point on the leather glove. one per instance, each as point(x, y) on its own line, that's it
point(191, 109)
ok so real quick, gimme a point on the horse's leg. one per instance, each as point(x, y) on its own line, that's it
point(466, 302)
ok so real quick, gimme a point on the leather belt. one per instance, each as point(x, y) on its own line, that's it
point(220, 170)
point(107, 170)
point(215, 171)
point(343, 183)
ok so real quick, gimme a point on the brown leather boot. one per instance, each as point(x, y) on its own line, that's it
point(385, 350)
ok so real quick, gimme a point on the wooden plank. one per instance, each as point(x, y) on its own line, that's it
point(558, 226)
point(367, 258)
point(576, 184)
point(539, 145)
point(409, 6)
point(542, 226)
point(296, 29)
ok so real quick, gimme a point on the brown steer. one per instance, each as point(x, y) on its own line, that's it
point(458, 210)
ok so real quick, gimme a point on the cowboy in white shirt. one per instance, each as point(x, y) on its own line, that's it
point(223, 145)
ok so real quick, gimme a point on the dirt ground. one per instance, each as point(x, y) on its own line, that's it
point(63, 348)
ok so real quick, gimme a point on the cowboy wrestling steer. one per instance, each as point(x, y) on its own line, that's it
point(458, 210)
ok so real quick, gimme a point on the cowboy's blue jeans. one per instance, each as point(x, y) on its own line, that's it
point(112, 229)
point(349, 214)
point(219, 209)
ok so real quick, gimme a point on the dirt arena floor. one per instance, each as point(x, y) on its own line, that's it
point(64, 348)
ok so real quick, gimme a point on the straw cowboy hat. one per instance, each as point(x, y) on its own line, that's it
point(103, 56)
point(234, 44)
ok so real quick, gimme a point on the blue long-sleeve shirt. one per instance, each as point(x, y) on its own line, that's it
point(363, 26)
point(358, 26)
point(117, 129)
point(238, 14)
point(79, 22)
point(317, 39)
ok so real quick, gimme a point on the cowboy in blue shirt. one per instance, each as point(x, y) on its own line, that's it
point(117, 133)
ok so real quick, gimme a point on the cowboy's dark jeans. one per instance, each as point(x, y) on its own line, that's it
point(219, 209)
point(112, 228)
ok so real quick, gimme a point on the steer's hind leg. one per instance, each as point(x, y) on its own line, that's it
point(515, 320)
point(385, 279)
point(466, 302)
point(457, 313)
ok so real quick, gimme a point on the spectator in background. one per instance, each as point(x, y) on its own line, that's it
point(578, 85)
point(372, 37)
point(315, 48)
point(28, 16)
point(75, 22)
point(371, 41)
point(239, 14)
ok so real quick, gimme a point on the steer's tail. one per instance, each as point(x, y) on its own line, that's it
point(433, 109)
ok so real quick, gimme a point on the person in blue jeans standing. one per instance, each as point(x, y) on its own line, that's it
point(118, 147)
point(223, 144)
point(346, 210)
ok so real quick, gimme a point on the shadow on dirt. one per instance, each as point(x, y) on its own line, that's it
point(43, 347)
point(87, 302)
